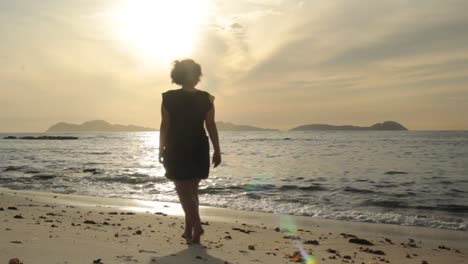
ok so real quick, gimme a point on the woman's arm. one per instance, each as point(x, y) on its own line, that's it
point(213, 132)
point(165, 122)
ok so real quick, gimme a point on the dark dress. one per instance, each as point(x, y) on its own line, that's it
point(187, 152)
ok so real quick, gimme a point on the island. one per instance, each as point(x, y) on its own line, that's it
point(226, 126)
point(385, 126)
point(96, 126)
point(104, 126)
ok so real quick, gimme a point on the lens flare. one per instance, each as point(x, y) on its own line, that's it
point(289, 227)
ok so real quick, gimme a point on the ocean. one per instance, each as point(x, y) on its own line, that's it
point(417, 178)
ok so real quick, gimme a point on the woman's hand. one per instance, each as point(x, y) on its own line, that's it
point(216, 159)
point(161, 156)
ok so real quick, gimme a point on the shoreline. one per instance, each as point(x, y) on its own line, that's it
point(55, 223)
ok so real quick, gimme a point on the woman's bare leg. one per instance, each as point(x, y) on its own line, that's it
point(197, 228)
point(183, 189)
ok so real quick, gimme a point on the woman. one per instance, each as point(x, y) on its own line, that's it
point(183, 144)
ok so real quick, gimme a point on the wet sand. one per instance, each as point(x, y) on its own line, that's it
point(38, 227)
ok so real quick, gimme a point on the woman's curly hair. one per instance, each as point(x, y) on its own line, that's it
point(185, 71)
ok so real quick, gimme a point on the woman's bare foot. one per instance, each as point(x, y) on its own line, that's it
point(197, 233)
point(187, 236)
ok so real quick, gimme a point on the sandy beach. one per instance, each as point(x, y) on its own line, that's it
point(50, 228)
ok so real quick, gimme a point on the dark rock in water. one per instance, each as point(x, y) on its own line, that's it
point(395, 172)
point(43, 138)
point(43, 177)
point(91, 170)
point(361, 241)
point(13, 168)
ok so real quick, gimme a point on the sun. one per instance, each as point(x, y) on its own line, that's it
point(160, 30)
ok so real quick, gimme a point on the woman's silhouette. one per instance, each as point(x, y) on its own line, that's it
point(183, 144)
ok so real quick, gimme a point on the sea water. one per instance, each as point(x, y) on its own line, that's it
point(415, 178)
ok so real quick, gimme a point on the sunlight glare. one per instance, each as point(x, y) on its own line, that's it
point(160, 30)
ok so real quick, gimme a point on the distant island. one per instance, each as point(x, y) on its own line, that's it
point(104, 126)
point(226, 126)
point(96, 126)
point(387, 125)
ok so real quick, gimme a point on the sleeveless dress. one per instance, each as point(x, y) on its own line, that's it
point(187, 152)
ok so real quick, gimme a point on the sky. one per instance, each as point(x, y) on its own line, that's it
point(269, 63)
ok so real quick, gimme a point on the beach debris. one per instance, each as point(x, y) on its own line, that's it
point(424, 262)
point(89, 222)
point(15, 261)
point(444, 247)
point(296, 257)
point(277, 229)
point(198, 257)
point(138, 232)
point(243, 230)
point(16, 242)
point(130, 258)
point(332, 251)
point(388, 240)
point(1, 208)
point(18, 217)
point(54, 214)
point(205, 223)
point(372, 251)
point(97, 261)
point(292, 237)
point(409, 244)
point(127, 213)
point(147, 251)
point(160, 213)
point(311, 242)
point(361, 241)
point(448, 248)
point(251, 247)
point(12, 208)
point(344, 235)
